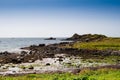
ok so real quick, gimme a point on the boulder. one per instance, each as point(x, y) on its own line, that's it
point(48, 64)
point(41, 45)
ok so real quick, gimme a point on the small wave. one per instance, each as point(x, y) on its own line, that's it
point(16, 50)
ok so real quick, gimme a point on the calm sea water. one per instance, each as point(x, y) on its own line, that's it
point(14, 44)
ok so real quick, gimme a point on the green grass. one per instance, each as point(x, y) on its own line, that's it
point(108, 43)
point(107, 59)
point(101, 74)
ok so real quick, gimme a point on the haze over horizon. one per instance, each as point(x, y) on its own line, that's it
point(59, 18)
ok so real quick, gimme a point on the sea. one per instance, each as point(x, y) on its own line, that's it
point(14, 44)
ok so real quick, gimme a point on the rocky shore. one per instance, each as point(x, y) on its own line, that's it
point(38, 52)
point(57, 57)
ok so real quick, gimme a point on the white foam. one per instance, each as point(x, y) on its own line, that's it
point(15, 50)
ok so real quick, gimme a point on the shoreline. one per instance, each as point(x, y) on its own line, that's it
point(57, 57)
point(14, 44)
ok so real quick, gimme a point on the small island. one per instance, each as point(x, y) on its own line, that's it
point(51, 38)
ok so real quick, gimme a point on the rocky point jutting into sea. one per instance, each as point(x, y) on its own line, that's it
point(57, 57)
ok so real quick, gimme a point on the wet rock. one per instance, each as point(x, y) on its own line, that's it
point(41, 45)
point(23, 53)
point(33, 45)
point(4, 53)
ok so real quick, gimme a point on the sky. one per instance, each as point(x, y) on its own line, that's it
point(59, 18)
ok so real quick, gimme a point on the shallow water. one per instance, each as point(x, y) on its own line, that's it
point(14, 44)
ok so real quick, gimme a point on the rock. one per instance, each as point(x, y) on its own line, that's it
point(33, 46)
point(23, 53)
point(4, 53)
point(60, 59)
point(30, 67)
point(64, 43)
point(116, 53)
point(47, 64)
point(51, 38)
point(30, 52)
point(41, 45)
point(15, 61)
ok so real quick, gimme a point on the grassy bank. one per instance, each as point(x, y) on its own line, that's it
point(108, 43)
point(100, 74)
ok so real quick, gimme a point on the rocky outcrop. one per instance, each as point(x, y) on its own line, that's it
point(51, 38)
point(87, 37)
point(6, 57)
point(51, 50)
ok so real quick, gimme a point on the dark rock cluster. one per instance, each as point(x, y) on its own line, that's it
point(49, 51)
point(51, 38)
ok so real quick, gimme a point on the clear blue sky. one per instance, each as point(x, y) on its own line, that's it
point(59, 18)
